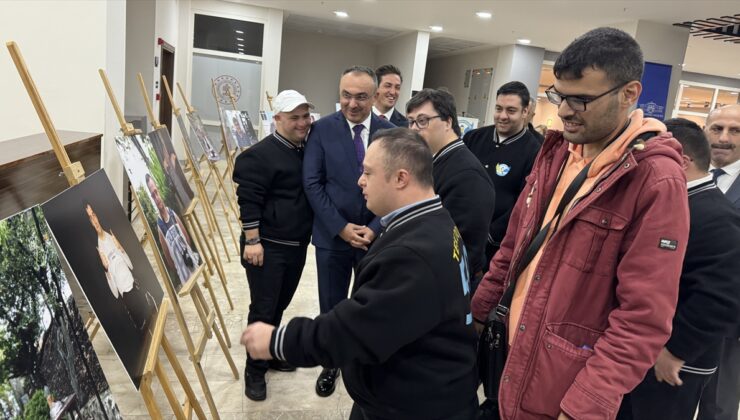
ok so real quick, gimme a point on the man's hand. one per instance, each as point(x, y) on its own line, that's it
point(256, 338)
point(254, 254)
point(367, 233)
point(667, 368)
point(352, 235)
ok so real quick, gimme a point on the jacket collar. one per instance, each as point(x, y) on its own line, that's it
point(412, 212)
point(509, 140)
point(449, 147)
point(703, 184)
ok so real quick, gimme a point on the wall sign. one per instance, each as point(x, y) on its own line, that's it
point(655, 83)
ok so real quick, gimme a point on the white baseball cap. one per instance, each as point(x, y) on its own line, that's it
point(289, 100)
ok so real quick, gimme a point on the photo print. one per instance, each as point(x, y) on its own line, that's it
point(239, 127)
point(48, 367)
point(160, 208)
point(173, 173)
point(197, 129)
point(104, 253)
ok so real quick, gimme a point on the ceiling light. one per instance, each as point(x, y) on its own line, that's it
point(733, 93)
point(524, 41)
point(341, 14)
point(239, 45)
point(238, 31)
point(240, 39)
point(436, 28)
point(484, 15)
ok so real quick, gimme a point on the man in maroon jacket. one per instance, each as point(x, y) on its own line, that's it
point(593, 308)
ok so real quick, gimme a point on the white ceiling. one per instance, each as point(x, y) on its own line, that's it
point(550, 24)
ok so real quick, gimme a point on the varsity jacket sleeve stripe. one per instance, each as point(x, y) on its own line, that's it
point(253, 177)
point(711, 309)
point(647, 279)
point(373, 324)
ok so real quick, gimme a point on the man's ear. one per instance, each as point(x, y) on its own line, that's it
point(685, 162)
point(631, 93)
point(402, 178)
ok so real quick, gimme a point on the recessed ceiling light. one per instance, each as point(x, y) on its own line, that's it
point(733, 93)
point(524, 41)
point(238, 31)
point(240, 39)
point(436, 28)
point(239, 45)
point(341, 14)
point(484, 15)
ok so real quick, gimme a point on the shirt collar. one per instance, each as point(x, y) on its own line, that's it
point(731, 169)
point(388, 114)
point(365, 123)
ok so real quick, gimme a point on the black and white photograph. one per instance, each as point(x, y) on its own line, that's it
point(104, 253)
point(48, 367)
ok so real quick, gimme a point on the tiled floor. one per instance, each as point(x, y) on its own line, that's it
point(290, 395)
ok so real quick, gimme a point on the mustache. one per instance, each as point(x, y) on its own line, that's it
point(723, 146)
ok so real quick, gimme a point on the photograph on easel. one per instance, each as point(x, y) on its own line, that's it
point(48, 367)
point(240, 128)
point(199, 132)
point(160, 208)
point(104, 253)
point(174, 175)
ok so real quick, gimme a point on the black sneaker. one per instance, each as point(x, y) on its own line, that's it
point(255, 388)
point(281, 366)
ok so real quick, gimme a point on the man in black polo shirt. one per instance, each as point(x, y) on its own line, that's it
point(507, 151)
point(276, 222)
point(404, 339)
point(459, 179)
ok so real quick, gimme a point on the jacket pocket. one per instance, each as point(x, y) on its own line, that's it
point(561, 354)
point(598, 234)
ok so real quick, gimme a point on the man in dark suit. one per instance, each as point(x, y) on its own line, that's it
point(343, 226)
point(722, 394)
point(708, 297)
point(389, 87)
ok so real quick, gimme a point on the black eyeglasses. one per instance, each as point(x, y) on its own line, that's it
point(422, 121)
point(575, 102)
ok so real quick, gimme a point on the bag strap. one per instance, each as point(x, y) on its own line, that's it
point(502, 309)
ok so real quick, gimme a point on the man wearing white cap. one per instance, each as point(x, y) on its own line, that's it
point(276, 223)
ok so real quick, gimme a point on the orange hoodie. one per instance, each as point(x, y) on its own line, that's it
point(576, 162)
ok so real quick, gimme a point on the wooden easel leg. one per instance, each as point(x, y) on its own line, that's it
point(213, 225)
point(191, 398)
point(148, 396)
point(221, 341)
point(167, 388)
point(216, 307)
point(219, 266)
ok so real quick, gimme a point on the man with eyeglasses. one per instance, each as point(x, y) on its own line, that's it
point(459, 178)
point(506, 150)
point(343, 227)
point(593, 253)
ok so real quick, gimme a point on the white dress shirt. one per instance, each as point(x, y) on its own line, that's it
point(365, 130)
point(387, 115)
point(725, 181)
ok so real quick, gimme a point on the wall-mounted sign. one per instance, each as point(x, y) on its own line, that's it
point(655, 83)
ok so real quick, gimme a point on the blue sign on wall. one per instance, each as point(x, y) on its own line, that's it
point(655, 82)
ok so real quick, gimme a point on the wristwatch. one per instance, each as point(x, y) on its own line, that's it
point(252, 241)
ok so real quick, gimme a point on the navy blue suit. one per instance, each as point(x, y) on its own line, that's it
point(399, 120)
point(330, 174)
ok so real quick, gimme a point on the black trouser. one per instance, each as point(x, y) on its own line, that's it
point(334, 269)
point(720, 399)
point(271, 288)
point(659, 400)
point(468, 413)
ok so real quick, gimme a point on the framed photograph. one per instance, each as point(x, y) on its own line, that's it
point(199, 133)
point(173, 173)
point(467, 124)
point(160, 209)
point(239, 128)
point(268, 122)
point(48, 368)
point(102, 250)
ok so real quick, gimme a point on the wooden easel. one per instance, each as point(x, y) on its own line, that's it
point(191, 287)
point(75, 174)
point(212, 259)
point(222, 193)
point(230, 154)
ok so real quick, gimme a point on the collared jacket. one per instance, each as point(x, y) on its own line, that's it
point(604, 291)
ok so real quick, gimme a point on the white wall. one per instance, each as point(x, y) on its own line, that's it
point(313, 63)
point(166, 26)
point(140, 18)
point(449, 72)
point(76, 39)
point(408, 53)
